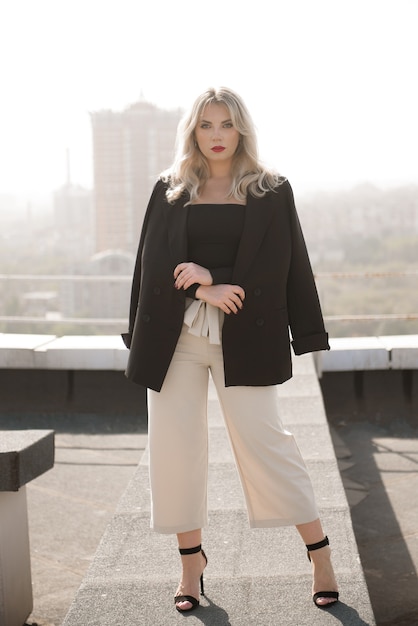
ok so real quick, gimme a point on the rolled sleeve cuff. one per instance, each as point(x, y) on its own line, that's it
point(310, 343)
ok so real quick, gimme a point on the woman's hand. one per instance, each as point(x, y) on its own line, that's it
point(228, 298)
point(188, 274)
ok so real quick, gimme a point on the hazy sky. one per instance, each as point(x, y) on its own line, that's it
point(332, 84)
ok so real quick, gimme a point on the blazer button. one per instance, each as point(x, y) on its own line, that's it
point(259, 321)
point(257, 291)
point(146, 318)
point(156, 291)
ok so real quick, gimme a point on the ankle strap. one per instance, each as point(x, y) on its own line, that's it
point(316, 546)
point(194, 550)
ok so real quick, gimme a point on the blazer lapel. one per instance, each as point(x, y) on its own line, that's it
point(176, 215)
point(258, 214)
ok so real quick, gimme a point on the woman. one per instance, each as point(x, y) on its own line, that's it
point(222, 272)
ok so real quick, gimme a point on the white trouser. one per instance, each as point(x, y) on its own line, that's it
point(273, 475)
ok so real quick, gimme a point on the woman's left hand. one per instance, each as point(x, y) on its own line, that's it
point(188, 274)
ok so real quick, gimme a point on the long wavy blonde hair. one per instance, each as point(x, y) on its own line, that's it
point(190, 169)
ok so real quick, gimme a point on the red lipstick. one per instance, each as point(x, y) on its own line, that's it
point(217, 149)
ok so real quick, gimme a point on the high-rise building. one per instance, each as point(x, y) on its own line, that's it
point(130, 149)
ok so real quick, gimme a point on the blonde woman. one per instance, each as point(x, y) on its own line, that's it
point(222, 273)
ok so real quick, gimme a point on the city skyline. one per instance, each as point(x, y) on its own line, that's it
point(330, 84)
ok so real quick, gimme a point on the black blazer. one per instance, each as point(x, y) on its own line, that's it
point(272, 266)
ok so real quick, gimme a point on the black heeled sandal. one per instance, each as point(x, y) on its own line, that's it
point(193, 601)
point(322, 594)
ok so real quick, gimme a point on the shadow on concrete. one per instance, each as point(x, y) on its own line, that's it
point(376, 445)
point(387, 548)
point(211, 614)
point(345, 614)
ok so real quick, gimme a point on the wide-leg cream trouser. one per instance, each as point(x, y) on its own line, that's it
point(276, 484)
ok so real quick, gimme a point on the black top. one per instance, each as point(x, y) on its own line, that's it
point(213, 236)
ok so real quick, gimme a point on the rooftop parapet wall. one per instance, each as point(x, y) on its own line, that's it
point(370, 353)
point(82, 375)
point(107, 352)
point(373, 378)
point(72, 352)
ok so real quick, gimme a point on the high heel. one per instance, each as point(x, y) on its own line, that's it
point(193, 601)
point(322, 594)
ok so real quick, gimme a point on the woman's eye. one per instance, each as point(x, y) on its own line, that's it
point(228, 125)
point(204, 125)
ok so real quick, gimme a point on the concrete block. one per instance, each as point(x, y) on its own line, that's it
point(80, 352)
point(403, 350)
point(355, 353)
point(17, 350)
point(24, 455)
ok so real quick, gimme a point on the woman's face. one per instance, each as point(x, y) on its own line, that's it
point(215, 134)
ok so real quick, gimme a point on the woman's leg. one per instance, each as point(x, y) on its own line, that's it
point(178, 446)
point(178, 442)
point(192, 568)
point(323, 573)
point(273, 474)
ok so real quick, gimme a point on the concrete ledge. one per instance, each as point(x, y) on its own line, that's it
point(107, 352)
point(361, 353)
point(101, 352)
point(257, 576)
point(19, 350)
point(370, 353)
point(24, 455)
point(73, 352)
point(403, 351)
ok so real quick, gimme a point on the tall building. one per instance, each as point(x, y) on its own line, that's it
point(130, 149)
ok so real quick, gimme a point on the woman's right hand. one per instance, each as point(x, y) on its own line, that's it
point(228, 298)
